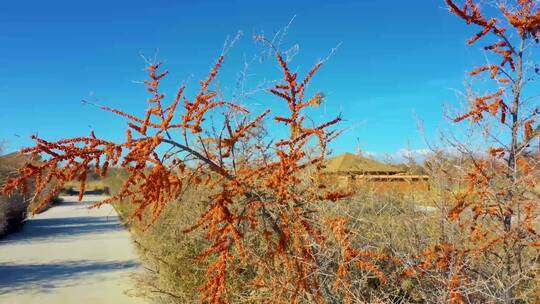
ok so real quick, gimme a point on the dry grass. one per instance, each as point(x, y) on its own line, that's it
point(96, 183)
point(13, 208)
point(92, 185)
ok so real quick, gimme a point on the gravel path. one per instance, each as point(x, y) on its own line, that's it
point(68, 254)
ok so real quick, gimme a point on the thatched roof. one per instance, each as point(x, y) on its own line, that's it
point(351, 163)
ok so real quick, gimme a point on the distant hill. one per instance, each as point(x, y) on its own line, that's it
point(9, 163)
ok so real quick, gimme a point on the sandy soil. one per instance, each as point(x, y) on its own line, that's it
point(69, 254)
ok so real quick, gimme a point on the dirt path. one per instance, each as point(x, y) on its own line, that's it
point(68, 254)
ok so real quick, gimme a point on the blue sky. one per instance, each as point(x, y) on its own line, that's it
point(398, 60)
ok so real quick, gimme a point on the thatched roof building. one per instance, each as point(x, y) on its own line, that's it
point(352, 170)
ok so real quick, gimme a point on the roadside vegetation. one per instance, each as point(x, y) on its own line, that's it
point(13, 207)
point(174, 272)
point(389, 223)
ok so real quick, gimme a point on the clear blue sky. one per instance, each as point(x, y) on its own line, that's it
point(398, 59)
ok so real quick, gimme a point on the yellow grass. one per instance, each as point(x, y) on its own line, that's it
point(90, 185)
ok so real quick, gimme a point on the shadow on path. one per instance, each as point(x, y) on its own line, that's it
point(37, 277)
point(55, 228)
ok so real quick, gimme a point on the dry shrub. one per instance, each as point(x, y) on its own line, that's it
point(172, 272)
point(490, 247)
point(13, 208)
